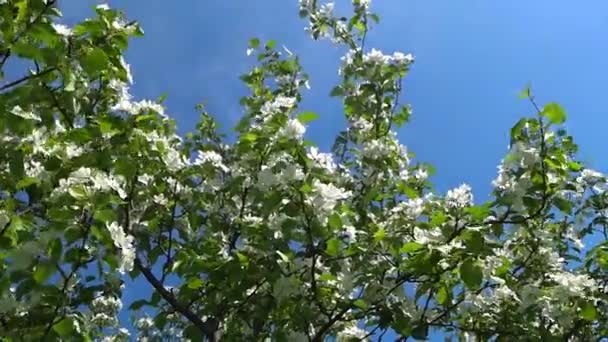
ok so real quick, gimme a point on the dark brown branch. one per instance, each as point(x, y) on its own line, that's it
point(320, 335)
point(169, 260)
point(26, 78)
point(208, 328)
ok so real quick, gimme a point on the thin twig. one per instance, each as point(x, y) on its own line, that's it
point(26, 78)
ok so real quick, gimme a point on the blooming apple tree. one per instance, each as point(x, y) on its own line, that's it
point(267, 237)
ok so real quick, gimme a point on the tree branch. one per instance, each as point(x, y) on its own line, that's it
point(26, 78)
point(208, 328)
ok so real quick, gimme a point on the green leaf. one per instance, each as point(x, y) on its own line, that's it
point(43, 271)
point(333, 247)
point(55, 249)
point(17, 224)
point(22, 7)
point(104, 215)
point(307, 117)
point(107, 127)
point(243, 259)
point(588, 312)
point(138, 304)
point(95, 61)
point(379, 235)
point(306, 188)
point(555, 113)
point(145, 117)
point(250, 137)
point(563, 204)
point(478, 212)
point(473, 240)
point(271, 44)
point(26, 50)
point(327, 277)
point(87, 27)
point(402, 116)
point(21, 260)
point(471, 274)
point(442, 296)
point(438, 218)
point(335, 221)
point(16, 164)
point(574, 166)
point(254, 43)
point(78, 192)
point(525, 93)
point(420, 332)
point(336, 91)
point(25, 182)
point(361, 304)
point(410, 247)
point(64, 327)
point(195, 283)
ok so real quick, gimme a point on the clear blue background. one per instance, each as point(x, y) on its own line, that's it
point(472, 58)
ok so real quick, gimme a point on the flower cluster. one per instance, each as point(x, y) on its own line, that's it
point(124, 242)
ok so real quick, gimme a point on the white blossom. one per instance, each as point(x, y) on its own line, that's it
point(325, 196)
point(73, 151)
point(349, 233)
point(291, 173)
point(212, 158)
point(376, 57)
point(362, 125)
point(402, 59)
point(414, 207)
point(159, 199)
point(572, 285)
point(293, 130)
point(175, 160)
point(322, 160)
point(362, 3)
point(522, 155)
point(326, 10)
point(277, 105)
point(145, 179)
point(305, 4)
point(104, 182)
point(127, 68)
point(351, 332)
point(267, 178)
point(18, 111)
point(421, 174)
point(108, 304)
point(593, 178)
point(125, 243)
point(503, 292)
point(62, 29)
point(378, 149)
point(426, 236)
point(348, 59)
point(34, 169)
point(460, 197)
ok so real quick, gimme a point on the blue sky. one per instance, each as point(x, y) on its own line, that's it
point(472, 58)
